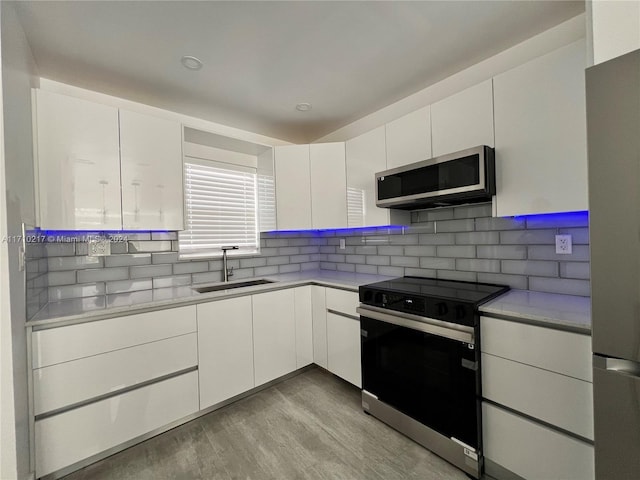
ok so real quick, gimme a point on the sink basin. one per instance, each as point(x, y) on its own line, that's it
point(229, 286)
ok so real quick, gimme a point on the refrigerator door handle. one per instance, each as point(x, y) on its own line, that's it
point(617, 365)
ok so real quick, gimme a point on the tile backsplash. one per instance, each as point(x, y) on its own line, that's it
point(460, 243)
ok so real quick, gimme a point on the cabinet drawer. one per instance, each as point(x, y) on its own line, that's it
point(62, 440)
point(531, 450)
point(342, 301)
point(72, 382)
point(562, 352)
point(63, 344)
point(565, 402)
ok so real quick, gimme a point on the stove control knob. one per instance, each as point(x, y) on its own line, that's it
point(460, 312)
point(442, 307)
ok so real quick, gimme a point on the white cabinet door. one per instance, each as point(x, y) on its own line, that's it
point(151, 163)
point(541, 145)
point(328, 185)
point(225, 349)
point(274, 335)
point(366, 156)
point(408, 139)
point(319, 305)
point(463, 120)
point(293, 187)
point(78, 164)
point(304, 326)
point(343, 347)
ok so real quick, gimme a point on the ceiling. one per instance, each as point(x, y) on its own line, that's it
point(347, 59)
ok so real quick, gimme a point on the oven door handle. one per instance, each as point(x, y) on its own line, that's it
point(460, 333)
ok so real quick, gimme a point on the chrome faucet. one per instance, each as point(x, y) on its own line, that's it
point(227, 272)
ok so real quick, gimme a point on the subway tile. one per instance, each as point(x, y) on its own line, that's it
point(436, 214)
point(335, 258)
point(390, 250)
point(334, 241)
point(127, 260)
point(241, 273)
point(309, 249)
point(231, 263)
point(64, 292)
point(437, 239)
point(346, 267)
point(190, 267)
point(514, 281)
point(391, 271)
point(125, 286)
point(499, 223)
point(507, 252)
point(415, 216)
point(528, 237)
point(173, 281)
point(348, 250)
point(318, 257)
point(207, 277)
point(164, 235)
point(477, 238)
point(288, 250)
point(215, 265)
point(564, 286)
point(538, 268)
point(102, 274)
point(137, 236)
point(301, 258)
point(116, 248)
point(268, 251)
point(294, 267)
point(377, 260)
point(420, 251)
point(317, 241)
point(277, 260)
point(463, 225)
point(82, 248)
point(420, 272)
point(74, 263)
point(277, 242)
point(473, 211)
point(247, 263)
point(145, 271)
point(366, 250)
point(454, 275)
point(565, 220)
point(165, 257)
point(310, 266)
point(368, 269)
point(438, 263)
point(297, 242)
point(328, 249)
point(355, 258)
point(475, 265)
point(150, 246)
point(328, 266)
point(575, 270)
point(548, 252)
point(411, 239)
point(60, 249)
point(61, 278)
point(418, 228)
point(400, 261)
point(456, 251)
point(579, 236)
point(261, 271)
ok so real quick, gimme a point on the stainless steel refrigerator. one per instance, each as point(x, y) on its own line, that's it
point(613, 133)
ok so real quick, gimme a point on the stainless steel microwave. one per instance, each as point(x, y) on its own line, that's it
point(462, 177)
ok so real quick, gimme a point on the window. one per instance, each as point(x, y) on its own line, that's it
point(220, 208)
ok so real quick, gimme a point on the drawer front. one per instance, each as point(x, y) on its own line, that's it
point(343, 348)
point(565, 402)
point(342, 301)
point(63, 344)
point(562, 352)
point(65, 439)
point(532, 451)
point(71, 382)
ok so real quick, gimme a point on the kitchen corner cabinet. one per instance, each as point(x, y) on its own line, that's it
point(328, 185)
point(365, 157)
point(540, 125)
point(225, 349)
point(463, 120)
point(319, 314)
point(101, 168)
point(274, 335)
point(78, 164)
point(408, 138)
point(304, 326)
point(343, 335)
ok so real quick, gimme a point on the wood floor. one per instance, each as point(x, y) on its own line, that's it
point(309, 427)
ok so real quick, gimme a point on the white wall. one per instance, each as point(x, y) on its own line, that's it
point(18, 205)
point(552, 39)
point(615, 28)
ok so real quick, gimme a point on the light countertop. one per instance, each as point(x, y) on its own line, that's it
point(563, 312)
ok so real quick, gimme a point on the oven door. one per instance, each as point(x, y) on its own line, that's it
point(428, 371)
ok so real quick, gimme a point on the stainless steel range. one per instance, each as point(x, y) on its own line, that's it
point(421, 362)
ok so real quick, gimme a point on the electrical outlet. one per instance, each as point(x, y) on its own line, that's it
point(563, 244)
point(99, 247)
point(343, 244)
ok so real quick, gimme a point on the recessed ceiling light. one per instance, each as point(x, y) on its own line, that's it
point(192, 63)
point(303, 107)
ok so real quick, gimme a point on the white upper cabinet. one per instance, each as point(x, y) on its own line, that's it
point(408, 138)
point(328, 185)
point(293, 187)
point(366, 156)
point(463, 120)
point(541, 145)
point(151, 166)
point(78, 164)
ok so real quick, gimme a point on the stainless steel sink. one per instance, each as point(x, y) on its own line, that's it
point(229, 286)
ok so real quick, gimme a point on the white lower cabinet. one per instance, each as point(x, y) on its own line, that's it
point(319, 306)
point(225, 349)
point(304, 326)
point(64, 439)
point(532, 450)
point(274, 335)
point(343, 347)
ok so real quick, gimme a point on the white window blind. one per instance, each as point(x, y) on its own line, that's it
point(220, 208)
point(267, 201)
point(355, 207)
